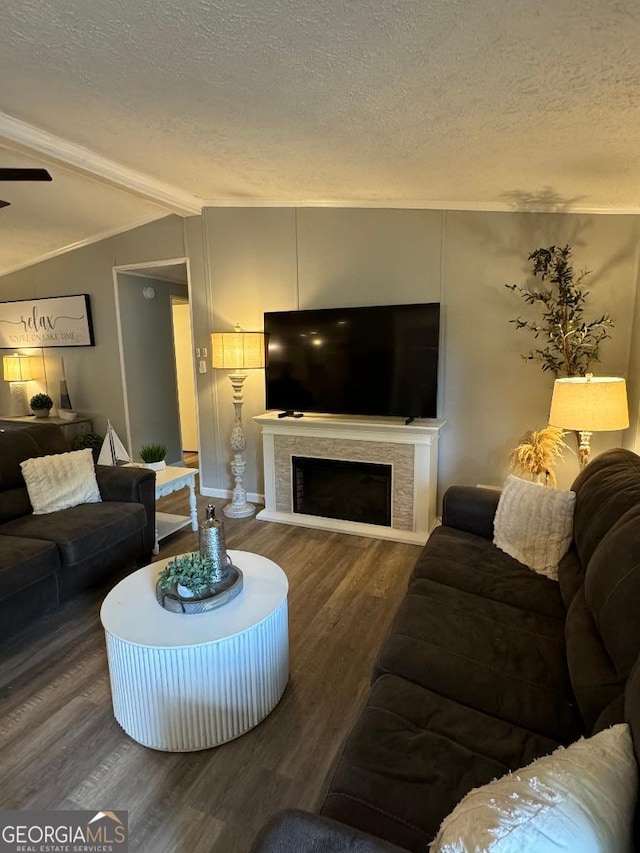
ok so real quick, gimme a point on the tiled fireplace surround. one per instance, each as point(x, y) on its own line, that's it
point(411, 450)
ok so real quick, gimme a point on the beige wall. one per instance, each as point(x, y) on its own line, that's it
point(93, 373)
point(276, 259)
point(244, 261)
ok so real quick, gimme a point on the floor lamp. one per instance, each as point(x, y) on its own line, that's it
point(589, 404)
point(238, 351)
point(17, 372)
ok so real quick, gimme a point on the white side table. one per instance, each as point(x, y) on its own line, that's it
point(187, 682)
point(169, 480)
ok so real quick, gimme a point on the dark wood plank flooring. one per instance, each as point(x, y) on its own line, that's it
point(60, 746)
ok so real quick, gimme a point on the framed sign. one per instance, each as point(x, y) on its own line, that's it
point(55, 321)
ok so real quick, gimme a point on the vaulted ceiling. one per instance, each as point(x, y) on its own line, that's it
point(140, 108)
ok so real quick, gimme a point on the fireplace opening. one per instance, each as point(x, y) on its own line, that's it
point(335, 488)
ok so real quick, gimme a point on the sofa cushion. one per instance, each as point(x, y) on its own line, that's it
point(491, 656)
point(605, 490)
point(472, 563)
point(413, 754)
point(612, 590)
point(603, 629)
point(594, 679)
point(82, 531)
point(20, 444)
point(24, 562)
point(534, 524)
point(581, 797)
point(570, 575)
point(60, 481)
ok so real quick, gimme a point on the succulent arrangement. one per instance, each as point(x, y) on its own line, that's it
point(153, 452)
point(192, 571)
point(40, 402)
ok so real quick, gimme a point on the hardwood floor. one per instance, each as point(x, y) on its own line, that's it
point(61, 747)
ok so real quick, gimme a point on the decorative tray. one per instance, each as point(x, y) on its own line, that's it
point(220, 593)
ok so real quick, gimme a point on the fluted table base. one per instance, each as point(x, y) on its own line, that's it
point(183, 698)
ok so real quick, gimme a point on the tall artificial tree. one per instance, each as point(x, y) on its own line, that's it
point(568, 342)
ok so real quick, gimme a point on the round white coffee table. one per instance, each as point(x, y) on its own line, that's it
point(185, 682)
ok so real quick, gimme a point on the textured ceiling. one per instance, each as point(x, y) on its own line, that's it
point(488, 104)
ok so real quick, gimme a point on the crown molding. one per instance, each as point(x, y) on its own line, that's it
point(18, 135)
point(422, 204)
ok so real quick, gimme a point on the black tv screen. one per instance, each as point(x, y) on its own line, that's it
point(380, 360)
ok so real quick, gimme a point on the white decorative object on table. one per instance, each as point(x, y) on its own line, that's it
point(112, 450)
point(238, 350)
point(188, 682)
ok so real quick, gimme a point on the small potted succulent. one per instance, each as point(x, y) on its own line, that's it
point(191, 575)
point(152, 456)
point(41, 405)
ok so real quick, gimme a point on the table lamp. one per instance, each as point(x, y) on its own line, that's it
point(589, 404)
point(17, 372)
point(237, 351)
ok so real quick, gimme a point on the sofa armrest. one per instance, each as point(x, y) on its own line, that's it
point(138, 485)
point(118, 483)
point(470, 508)
point(296, 831)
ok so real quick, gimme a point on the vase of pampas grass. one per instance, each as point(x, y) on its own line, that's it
point(537, 452)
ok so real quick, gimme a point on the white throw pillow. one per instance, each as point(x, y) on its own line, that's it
point(580, 799)
point(534, 524)
point(60, 481)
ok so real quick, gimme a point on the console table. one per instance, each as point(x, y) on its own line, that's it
point(409, 450)
point(71, 429)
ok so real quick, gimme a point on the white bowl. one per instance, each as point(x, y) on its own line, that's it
point(67, 415)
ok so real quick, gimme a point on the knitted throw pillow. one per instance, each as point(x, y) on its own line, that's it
point(580, 799)
point(60, 481)
point(534, 524)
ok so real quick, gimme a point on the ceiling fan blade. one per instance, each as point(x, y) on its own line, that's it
point(4, 203)
point(24, 175)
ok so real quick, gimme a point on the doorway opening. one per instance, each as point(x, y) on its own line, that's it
point(155, 336)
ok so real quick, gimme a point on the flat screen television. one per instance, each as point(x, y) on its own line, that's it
point(380, 360)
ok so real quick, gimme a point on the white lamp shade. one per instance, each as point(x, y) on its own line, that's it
point(589, 404)
point(17, 368)
point(237, 350)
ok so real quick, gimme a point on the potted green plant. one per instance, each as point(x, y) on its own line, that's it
point(152, 456)
point(88, 439)
point(190, 575)
point(41, 405)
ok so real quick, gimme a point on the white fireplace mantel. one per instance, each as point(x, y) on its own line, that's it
point(411, 450)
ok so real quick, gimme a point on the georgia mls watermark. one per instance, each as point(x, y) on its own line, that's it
point(64, 832)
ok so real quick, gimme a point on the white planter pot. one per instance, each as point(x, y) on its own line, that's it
point(155, 466)
point(182, 591)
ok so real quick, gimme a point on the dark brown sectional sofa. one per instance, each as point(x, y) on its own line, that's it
point(46, 559)
point(487, 667)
